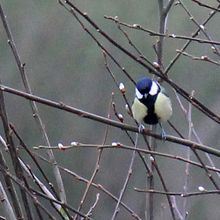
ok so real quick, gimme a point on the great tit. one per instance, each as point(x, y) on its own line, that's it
point(151, 103)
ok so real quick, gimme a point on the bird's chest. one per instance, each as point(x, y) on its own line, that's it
point(144, 110)
point(151, 117)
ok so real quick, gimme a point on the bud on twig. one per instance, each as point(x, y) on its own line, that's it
point(122, 88)
point(120, 117)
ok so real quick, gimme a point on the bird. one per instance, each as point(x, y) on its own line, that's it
point(151, 104)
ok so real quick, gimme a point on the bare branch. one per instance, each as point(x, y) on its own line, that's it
point(129, 173)
point(123, 126)
point(97, 186)
point(157, 72)
point(173, 61)
point(7, 208)
point(179, 193)
point(205, 5)
point(165, 35)
point(34, 108)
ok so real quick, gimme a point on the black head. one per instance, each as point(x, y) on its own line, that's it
point(146, 92)
point(144, 85)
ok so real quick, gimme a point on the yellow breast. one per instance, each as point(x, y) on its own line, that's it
point(163, 107)
point(139, 110)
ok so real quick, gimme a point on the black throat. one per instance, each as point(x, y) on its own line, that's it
point(151, 117)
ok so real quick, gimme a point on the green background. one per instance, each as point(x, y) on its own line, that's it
point(64, 64)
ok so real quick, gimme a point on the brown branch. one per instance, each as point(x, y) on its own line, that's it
point(205, 5)
point(123, 93)
point(101, 119)
point(125, 147)
point(14, 157)
point(97, 42)
point(33, 193)
point(157, 72)
point(97, 164)
point(11, 189)
point(165, 35)
point(38, 166)
point(202, 58)
point(173, 61)
point(201, 27)
point(34, 108)
point(95, 185)
point(128, 176)
point(141, 55)
point(181, 194)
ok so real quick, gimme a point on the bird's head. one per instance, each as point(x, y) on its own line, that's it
point(146, 86)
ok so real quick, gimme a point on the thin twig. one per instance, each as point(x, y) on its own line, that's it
point(173, 61)
point(97, 186)
point(5, 204)
point(194, 132)
point(202, 28)
point(33, 158)
point(11, 189)
point(165, 35)
point(187, 166)
point(30, 191)
point(14, 156)
point(97, 165)
point(181, 194)
point(201, 58)
point(141, 55)
point(63, 213)
point(121, 146)
point(157, 72)
point(124, 126)
point(205, 5)
point(155, 165)
point(34, 108)
point(97, 41)
point(123, 93)
point(129, 173)
point(89, 213)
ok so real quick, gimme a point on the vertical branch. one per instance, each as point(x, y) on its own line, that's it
point(185, 187)
point(154, 164)
point(163, 13)
point(11, 190)
point(7, 208)
point(97, 165)
point(34, 108)
point(149, 209)
point(126, 180)
point(13, 154)
point(201, 27)
point(173, 61)
point(162, 24)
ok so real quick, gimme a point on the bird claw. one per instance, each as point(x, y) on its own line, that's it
point(141, 128)
point(163, 135)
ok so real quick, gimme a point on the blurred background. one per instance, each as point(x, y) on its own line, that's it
point(64, 64)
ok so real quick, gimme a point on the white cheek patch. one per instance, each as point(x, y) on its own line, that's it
point(138, 94)
point(154, 88)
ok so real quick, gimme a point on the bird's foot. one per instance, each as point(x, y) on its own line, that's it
point(163, 135)
point(141, 128)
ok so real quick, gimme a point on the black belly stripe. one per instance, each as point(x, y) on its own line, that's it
point(151, 119)
point(149, 102)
